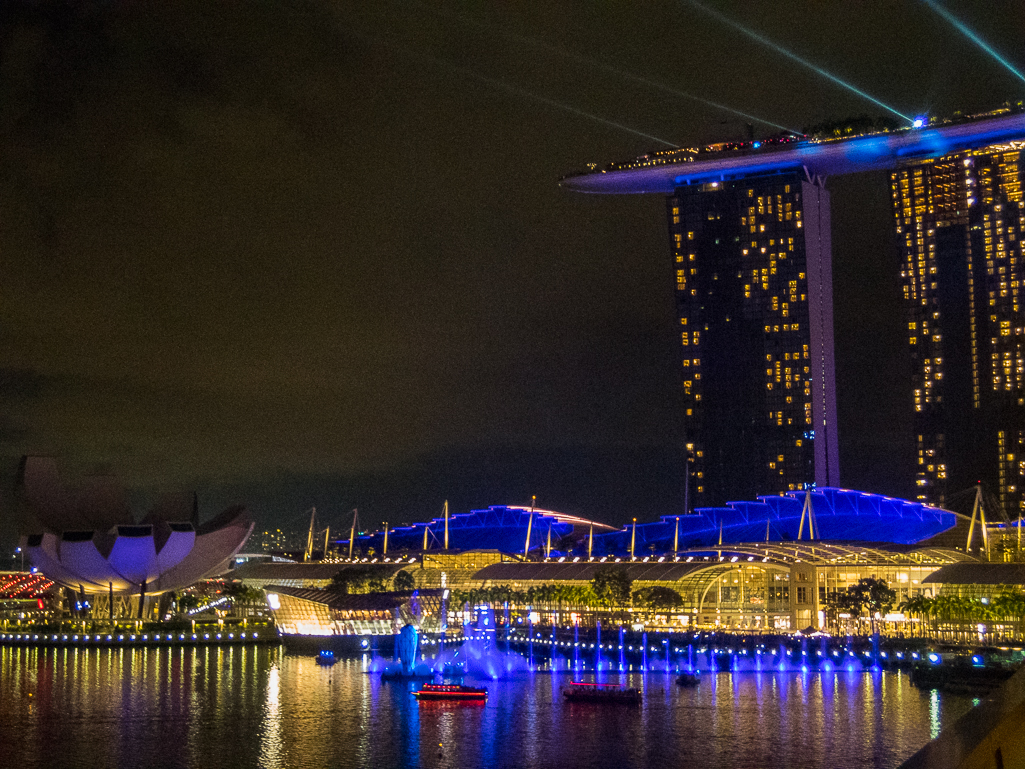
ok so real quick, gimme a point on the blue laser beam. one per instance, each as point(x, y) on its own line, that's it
point(964, 30)
point(794, 57)
point(553, 103)
point(621, 73)
point(517, 91)
point(645, 81)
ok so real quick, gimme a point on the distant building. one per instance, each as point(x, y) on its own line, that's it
point(754, 305)
point(959, 221)
point(277, 541)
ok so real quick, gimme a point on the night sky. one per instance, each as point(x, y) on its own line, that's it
point(309, 253)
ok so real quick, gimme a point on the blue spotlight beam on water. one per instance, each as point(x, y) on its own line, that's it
point(621, 73)
point(957, 24)
point(794, 57)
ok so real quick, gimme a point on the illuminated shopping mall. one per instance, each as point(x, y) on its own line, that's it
point(762, 565)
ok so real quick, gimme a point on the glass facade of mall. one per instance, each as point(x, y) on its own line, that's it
point(758, 586)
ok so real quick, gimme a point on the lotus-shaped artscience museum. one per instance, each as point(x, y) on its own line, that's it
point(88, 539)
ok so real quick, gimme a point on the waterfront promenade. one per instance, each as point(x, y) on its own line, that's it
point(96, 634)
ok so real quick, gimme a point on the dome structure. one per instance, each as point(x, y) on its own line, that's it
point(88, 539)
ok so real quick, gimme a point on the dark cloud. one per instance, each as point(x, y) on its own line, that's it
point(21, 384)
point(296, 240)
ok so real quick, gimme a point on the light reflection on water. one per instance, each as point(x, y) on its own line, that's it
point(934, 714)
point(270, 753)
point(255, 706)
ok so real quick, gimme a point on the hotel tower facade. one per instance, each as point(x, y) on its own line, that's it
point(960, 220)
point(754, 307)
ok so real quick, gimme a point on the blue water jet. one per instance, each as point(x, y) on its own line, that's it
point(576, 647)
point(530, 637)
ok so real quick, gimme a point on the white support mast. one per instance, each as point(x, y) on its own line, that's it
point(308, 553)
point(530, 523)
point(352, 534)
point(979, 511)
point(807, 511)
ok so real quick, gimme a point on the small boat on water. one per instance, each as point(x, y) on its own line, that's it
point(584, 691)
point(453, 692)
point(688, 679)
point(326, 657)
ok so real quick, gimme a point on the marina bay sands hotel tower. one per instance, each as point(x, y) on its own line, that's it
point(749, 228)
point(960, 220)
point(754, 304)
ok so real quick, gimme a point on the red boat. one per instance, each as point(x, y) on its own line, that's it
point(583, 691)
point(455, 692)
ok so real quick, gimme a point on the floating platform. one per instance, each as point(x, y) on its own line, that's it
point(583, 691)
point(959, 677)
point(688, 680)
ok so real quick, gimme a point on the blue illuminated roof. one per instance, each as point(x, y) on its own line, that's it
point(499, 527)
point(839, 515)
point(653, 174)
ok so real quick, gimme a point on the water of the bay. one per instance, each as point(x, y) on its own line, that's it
point(260, 707)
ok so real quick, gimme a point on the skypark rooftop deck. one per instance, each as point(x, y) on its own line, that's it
point(661, 173)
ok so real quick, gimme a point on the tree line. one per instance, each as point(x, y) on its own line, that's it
point(610, 589)
point(871, 596)
point(1008, 607)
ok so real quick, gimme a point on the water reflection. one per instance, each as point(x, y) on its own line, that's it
point(255, 706)
point(270, 748)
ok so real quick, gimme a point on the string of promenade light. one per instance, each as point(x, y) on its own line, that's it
point(107, 639)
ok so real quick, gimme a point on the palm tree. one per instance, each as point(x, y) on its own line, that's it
point(404, 580)
point(1010, 607)
point(918, 606)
